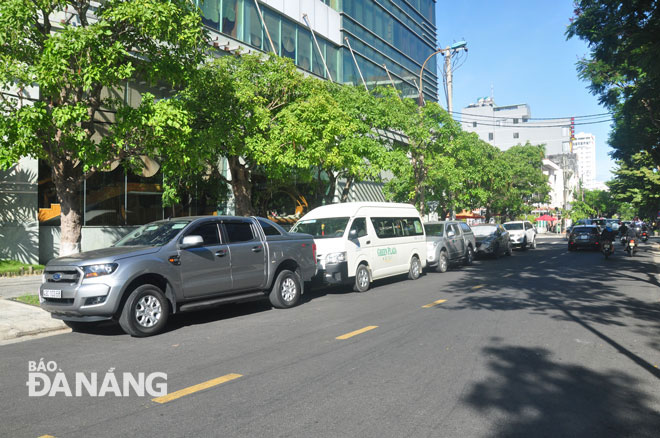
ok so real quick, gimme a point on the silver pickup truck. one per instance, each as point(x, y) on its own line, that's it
point(178, 265)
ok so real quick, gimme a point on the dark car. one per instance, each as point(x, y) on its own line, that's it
point(584, 236)
point(492, 239)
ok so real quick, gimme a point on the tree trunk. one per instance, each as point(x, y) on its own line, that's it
point(329, 196)
point(67, 177)
point(241, 187)
point(347, 189)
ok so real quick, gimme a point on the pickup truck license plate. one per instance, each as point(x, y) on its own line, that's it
point(51, 293)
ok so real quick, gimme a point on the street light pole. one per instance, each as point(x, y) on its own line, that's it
point(447, 52)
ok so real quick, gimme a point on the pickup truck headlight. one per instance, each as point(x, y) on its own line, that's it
point(335, 257)
point(93, 271)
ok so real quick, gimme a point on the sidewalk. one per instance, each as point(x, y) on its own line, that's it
point(20, 321)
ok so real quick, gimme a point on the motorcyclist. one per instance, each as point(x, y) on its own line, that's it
point(623, 228)
point(609, 235)
point(631, 234)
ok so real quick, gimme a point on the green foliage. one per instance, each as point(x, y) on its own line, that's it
point(623, 69)
point(637, 184)
point(78, 69)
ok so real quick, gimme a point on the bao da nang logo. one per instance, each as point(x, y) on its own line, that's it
point(46, 379)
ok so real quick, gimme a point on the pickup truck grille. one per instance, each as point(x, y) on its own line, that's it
point(70, 276)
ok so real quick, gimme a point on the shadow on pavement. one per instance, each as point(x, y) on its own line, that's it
point(536, 396)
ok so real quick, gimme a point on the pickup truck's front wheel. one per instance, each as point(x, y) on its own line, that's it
point(145, 311)
point(286, 290)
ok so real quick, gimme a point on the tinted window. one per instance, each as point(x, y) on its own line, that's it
point(360, 226)
point(269, 229)
point(387, 227)
point(209, 233)
point(435, 229)
point(239, 232)
point(466, 227)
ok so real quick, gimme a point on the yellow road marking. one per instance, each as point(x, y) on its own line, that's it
point(356, 332)
point(479, 286)
point(46, 436)
point(195, 388)
point(433, 304)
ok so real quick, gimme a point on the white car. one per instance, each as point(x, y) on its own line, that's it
point(521, 234)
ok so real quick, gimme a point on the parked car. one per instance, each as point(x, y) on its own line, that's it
point(448, 242)
point(178, 265)
point(359, 242)
point(492, 239)
point(584, 236)
point(521, 233)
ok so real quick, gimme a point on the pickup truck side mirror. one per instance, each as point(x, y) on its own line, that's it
point(353, 234)
point(450, 234)
point(191, 241)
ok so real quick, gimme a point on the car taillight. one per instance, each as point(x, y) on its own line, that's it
point(314, 251)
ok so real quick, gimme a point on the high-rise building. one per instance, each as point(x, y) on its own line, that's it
point(584, 146)
point(394, 36)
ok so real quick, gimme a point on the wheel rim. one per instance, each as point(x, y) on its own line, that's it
point(443, 262)
point(415, 268)
point(148, 311)
point(363, 278)
point(470, 256)
point(288, 289)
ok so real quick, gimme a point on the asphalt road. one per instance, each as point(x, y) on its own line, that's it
point(543, 343)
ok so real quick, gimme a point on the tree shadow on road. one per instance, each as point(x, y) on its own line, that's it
point(582, 288)
point(532, 395)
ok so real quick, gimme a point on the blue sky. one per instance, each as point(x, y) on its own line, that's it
point(520, 49)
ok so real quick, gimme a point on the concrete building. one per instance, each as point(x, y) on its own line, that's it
point(398, 34)
point(584, 146)
point(507, 126)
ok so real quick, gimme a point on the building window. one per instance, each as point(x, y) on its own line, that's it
point(474, 124)
point(490, 136)
point(515, 121)
point(516, 135)
point(525, 119)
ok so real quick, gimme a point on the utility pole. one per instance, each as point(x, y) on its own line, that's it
point(450, 91)
point(447, 52)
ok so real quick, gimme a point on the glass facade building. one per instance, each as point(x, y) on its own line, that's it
point(397, 34)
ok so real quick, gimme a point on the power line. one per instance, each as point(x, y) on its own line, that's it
point(531, 118)
point(526, 125)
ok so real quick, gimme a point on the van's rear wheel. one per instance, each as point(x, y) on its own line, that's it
point(415, 268)
point(361, 279)
point(145, 312)
point(286, 290)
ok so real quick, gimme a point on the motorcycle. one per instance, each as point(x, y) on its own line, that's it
point(645, 236)
point(607, 248)
point(631, 247)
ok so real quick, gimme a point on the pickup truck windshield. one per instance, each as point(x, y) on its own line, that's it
point(153, 234)
point(434, 229)
point(322, 228)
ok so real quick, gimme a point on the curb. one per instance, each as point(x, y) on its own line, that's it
point(21, 321)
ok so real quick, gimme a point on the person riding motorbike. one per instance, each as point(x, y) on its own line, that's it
point(608, 235)
point(631, 234)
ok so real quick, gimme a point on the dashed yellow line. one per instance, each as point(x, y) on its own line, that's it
point(356, 332)
point(479, 286)
point(435, 303)
point(46, 436)
point(195, 388)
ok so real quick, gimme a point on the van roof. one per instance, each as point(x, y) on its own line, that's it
point(351, 208)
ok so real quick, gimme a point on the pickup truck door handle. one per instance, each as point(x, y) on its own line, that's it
point(256, 249)
point(221, 253)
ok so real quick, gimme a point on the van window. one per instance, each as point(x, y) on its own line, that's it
point(360, 225)
point(322, 228)
point(388, 227)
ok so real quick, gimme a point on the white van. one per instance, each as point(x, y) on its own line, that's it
point(358, 242)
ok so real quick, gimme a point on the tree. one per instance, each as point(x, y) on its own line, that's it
point(638, 184)
point(330, 132)
point(78, 61)
point(623, 69)
point(429, 130)
point(234, 102)
point(525, 183)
